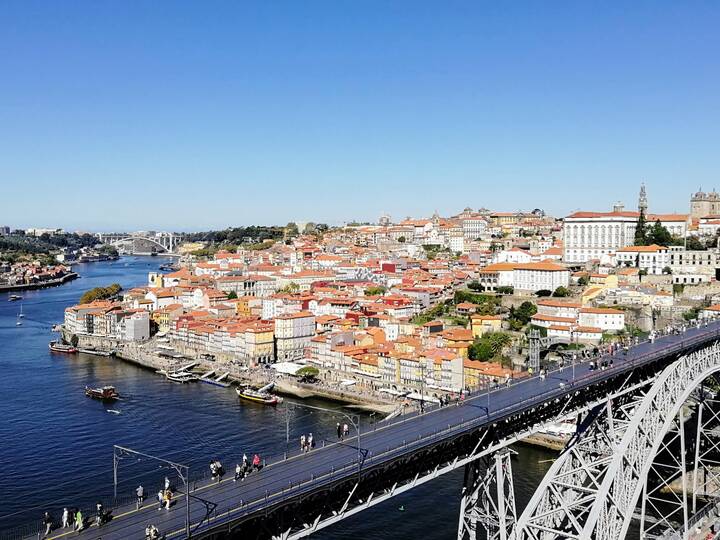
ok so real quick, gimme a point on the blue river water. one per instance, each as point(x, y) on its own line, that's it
point(56, 445)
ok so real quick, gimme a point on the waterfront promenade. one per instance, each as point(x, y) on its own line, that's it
point(283, 479)
point(39, 284)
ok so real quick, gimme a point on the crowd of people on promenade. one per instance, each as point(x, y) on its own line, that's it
point(73, 518)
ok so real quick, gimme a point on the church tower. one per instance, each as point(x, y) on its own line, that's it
point(642, 200)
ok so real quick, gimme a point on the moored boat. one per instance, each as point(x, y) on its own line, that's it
point(106, 393)
point(259, 396)
point(14, 298)
point(181, 377)
point(97, 352)
point(56, 346)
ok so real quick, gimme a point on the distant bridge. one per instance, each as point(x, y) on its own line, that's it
point(160, 241)
point(644, 420)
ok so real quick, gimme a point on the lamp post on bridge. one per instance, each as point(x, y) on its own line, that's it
point(354, 419)
point(183, 471)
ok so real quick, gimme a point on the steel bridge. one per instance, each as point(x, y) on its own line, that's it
point(166, 241)
point(644, 420)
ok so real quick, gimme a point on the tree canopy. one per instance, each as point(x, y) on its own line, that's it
point(100, 293)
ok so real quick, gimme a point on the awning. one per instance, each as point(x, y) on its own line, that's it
point(288, 368)
point(346, 382)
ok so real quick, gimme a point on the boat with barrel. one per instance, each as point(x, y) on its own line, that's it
point(261, 395)
point(106, 393)
point(59, 347)
point(181, 376)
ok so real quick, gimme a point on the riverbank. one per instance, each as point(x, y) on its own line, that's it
point(144, 356)
point(41, 284)
point(545, 440)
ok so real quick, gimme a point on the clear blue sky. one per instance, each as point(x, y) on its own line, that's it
point(206, 114)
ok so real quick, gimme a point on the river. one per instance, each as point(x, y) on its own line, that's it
point(56, 445)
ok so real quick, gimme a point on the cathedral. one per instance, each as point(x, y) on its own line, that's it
point(704, 204)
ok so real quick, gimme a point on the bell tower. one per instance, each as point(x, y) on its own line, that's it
point(642, 200)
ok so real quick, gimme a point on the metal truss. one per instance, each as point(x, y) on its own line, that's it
point(593, 488)
point(352, 505)
point(706, 471)
point(488, 499)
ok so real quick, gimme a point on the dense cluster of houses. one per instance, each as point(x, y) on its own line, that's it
point(347, 301)
point(30, 273)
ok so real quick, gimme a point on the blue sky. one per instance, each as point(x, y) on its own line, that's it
point(195, 115)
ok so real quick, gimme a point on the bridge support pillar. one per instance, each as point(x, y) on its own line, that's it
point(488, 498)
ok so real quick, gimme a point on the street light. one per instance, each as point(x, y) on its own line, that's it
point(353, 418)
point(422, 387)
point(120, 452)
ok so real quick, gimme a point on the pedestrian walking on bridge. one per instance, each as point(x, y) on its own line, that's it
point(140, 494)
point(47, 521)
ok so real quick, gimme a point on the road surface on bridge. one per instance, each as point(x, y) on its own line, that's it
point(302, 472)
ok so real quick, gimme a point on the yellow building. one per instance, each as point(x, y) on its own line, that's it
point(164, 317)
point(482, 324)
point(478, 373)
point(259, 343)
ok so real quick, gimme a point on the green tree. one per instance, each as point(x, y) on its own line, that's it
point(561, 292)
point(667, 270)
point(584, 280)
point(505, 289)
point(543, 292)
point(374, 291)
point(308, 373)
point(232, 295)
point(402, 239)
point(641, 230)
point(693, 243)
point(480, 350)
point(74, 340)
point(659, 235)
point(521, 315)
point(100, 293)
point(475, 285)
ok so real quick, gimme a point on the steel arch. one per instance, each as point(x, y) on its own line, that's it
point(133, 238)
point(593, 488)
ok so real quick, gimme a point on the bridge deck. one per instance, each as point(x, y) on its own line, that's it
point(287, 478)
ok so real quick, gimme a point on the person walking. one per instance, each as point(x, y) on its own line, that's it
point(339, 431)
point(168, 499)
point(98, 514)
point(47, 521)
point(256, 462)
point(310, 444)
point(161, 499)
point(302, 443)
point(346, 430)
point(238, 472)
point(140, 495)
point(79, 521)
point(65, 518)
point(167, 483)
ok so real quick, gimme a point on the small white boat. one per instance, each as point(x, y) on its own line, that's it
point(181, 377)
